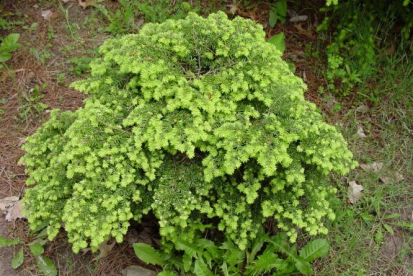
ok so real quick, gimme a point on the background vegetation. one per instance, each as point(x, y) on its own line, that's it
point(355, 56)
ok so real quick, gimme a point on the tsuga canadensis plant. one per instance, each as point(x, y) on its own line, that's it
point(198, 121)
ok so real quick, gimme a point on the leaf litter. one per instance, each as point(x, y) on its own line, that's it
point(386, 178)
point(12, 206)
point(354, 191)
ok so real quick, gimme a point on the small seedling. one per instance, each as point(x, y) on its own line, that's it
point(41, 55)
point(44, 264)
point(30, 105)
point(278, 12)
point(61, 78)
point(2, 101)
point(7, 46)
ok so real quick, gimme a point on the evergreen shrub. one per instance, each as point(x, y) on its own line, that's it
point(198, 121)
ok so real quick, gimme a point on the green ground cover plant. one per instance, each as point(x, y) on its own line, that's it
point(198, 121)
point(264, 255)
point(7, 46)
point(362, 32)
point(43, 263)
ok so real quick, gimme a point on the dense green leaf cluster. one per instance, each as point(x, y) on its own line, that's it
point(261, 257)
point(196, 120)
point(363, 33)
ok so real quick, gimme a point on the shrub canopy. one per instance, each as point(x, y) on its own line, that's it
point(196, 120)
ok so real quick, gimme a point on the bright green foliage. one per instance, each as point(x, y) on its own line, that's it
point(8, 45)
point(196, 120)
point(278, 12)
point(261, 257)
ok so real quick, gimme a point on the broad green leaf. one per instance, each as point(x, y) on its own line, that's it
point(407, 225)
point(224, 268)
point(303, 266)
point(281, 10)
point(367, 217)
point(210, 247)
point(264, 263)
point(189, 249)
point(11, 39)
point(186, 6)
point(233, 257)
point(201, 269)
point(392, 216)
point(147, 253)
point(208, 258)
point(281, 7)
point(205, 243)
point(4, 56)
point(388, 228)
point(257, 245)
point(36, 248)
point(273, 18)
point(18, 259)
point(279, 245)
point(288, 269)
point(42, 234)
point(278, 41)
point(232, 254)
point(8, 242)
point(187, 261)
point(46, 266)
point(9, 43)
point(379, 236)
point(315, 249)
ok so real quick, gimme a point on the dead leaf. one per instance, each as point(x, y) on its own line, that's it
point(299, 18)
point(104, 250)
point(140, 22)
point(47, 14)
point(132, 236)
point(21, 141)
point(7, 202)
point(233, 8)
point(360, 132)
point(354, 191)
point(390, 50)
point(362, 108)
point(15, 212)
point(86, 250)
point(291, 13)
point(86, 3)
point(308, 33)
point(315, 23)
point(135, 270)
point(372, 167)
point(145, 237)
point(386, 179)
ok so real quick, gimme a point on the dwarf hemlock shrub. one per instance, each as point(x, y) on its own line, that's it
point(198, 121)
